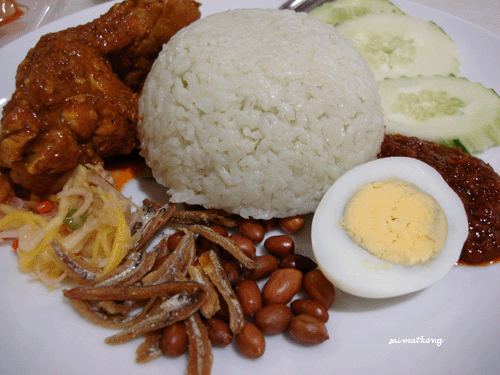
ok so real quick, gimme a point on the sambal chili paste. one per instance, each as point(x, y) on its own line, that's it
point(475, 182)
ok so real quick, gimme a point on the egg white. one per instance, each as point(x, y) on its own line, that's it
point(353, 269)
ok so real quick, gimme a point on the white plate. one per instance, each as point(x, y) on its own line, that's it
point(41, 334)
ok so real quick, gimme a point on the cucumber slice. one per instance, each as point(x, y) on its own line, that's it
point(450, 110)
point(399, 45)
point(342, 10)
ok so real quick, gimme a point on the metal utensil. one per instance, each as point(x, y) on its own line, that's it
point(301, 5)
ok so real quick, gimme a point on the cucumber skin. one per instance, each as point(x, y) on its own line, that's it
point(485, 131)
point(340, 11)
point(455, 144)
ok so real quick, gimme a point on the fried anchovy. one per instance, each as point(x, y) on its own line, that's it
point(114, 308)
point(77, 270)
point(135, 266)
point(212, 304)
point(200, 348)
point(155, 218)
point(127, 266)
point(226, 243)
point(213, 268)
point(150, 348)
point(204, 217)
point(174, 309)
point(93, 313)
point(176, 263)
point(124, 293)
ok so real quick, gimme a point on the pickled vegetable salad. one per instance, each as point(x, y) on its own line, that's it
point(89, 218)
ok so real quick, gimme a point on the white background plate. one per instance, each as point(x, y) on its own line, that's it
point(41, 334)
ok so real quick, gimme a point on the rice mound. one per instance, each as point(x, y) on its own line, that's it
point(257, 112)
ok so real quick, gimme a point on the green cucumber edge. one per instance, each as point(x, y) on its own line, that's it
point(479, 140)
point(330, 11)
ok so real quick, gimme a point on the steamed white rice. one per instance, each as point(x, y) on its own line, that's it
point(258, 112)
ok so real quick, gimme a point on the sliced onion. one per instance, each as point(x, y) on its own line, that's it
point(85, 193)
point(29, 238)
point(48, 280)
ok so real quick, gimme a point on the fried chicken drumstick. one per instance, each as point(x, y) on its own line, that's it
point(76, 93)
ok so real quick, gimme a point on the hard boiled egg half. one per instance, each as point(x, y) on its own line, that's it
point(355, 270)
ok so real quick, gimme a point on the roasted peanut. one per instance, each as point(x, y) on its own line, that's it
point(173, 240)
point(219, 332)
point(174, 340)
point(298, 261)
point(319, 288)
point(251, 229)
point(279, 245)
point(248, 294)
point(307, 329)
point(269, 224)
point(292, 224)
point(282, 285)
point(203, 244)
point(310, 307)
point(250, 341)
point(273, 319)
point(159, 262)
point(223, 312)
point(266, 265)
point(220, 230)
point(246, 245)
point(232, 269)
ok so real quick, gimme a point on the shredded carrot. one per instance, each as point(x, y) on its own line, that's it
point(15, 244)
point(123, 172)
point(124, 175)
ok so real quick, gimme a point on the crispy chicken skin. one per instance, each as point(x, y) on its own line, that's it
point(77, 89)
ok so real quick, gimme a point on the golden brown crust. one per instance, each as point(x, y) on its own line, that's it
point(71, 105)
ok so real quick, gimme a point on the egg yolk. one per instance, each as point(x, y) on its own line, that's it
point(395, 221)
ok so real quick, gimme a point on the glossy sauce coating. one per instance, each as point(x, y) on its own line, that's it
point(474, 181)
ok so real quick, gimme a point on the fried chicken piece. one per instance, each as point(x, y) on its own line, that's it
point(69, 108)
point(77, 89)
point(132, 33)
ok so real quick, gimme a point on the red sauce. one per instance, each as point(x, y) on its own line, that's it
point(10, 11)
point(474, 181)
